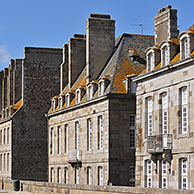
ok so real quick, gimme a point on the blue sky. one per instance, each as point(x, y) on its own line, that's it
point(50, 23)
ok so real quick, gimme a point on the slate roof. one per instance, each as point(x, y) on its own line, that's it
point(128, 58)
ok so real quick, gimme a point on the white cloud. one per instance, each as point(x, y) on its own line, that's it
point(4, 55)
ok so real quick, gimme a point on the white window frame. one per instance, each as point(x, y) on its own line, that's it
point(100, 132)
point(101, 87)
point(165, 55)
point(185, 46)
point(149, 116)
point(8, 161)
point(59, 175)
point(90, 91)
point(132, 131)
point(164, 113)
point(52, 175)
point(89, 134)
point(184, 109)
point(184, 173)
point(164, 174)
point(89, 175)
point(66, 175)
point(66, 143)
point(52, 147)
point(100, 175)
point(8, 135)
point(78, 96)
point(67, 100)
point(77, 175)
point(59, 139)
point(77, 137)
point(148, 174)
point(150, 61)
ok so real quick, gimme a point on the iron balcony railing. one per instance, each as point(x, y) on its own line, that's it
point(159, 143)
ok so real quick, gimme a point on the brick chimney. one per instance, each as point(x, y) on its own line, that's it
point(165, 24)
point(100, 42)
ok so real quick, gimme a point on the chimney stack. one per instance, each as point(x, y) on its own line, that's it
point(165, 24)
point(100, 42)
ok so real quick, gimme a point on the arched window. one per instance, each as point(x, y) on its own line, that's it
point(59, 175)
point(100, 175)
point(66, 175)
point(89, 175)
point(183, 174)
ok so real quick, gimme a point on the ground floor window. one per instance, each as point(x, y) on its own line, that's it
point(148, 173)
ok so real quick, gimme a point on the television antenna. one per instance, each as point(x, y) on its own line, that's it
point(140, 25)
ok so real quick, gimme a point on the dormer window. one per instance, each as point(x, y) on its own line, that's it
point(90, 92)
point(61, 101)
point(67, 100)
point(165, 55)
point(130, 85)
point(101, 88)
point(150, 61)
point(185, 46)
point(53, 104)
point(78, 96)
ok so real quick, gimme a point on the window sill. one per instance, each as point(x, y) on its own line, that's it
point(183, 135)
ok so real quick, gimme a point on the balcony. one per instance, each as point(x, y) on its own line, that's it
point(74, 156)
point(159, 143)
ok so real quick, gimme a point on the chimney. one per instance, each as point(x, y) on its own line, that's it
point(64, 68)
point(100, 42)
point(77, 57)
point(165, 24)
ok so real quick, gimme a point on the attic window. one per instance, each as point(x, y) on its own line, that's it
point(78, 96)
point(185, 51)
point(61, 101)
point(150, 61)
point(67, 100)
point(53, 105)
point(90, 92)
point(101, 88)
point(165, 55)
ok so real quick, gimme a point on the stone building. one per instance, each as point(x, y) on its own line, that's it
point(165, 108)
point(91, 122)
point(25, 89)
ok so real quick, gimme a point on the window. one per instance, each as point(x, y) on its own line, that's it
point(89, 134)
point(165, 56)
point(4, 162)
point(1, 162)
point(78, 96)
point(59, 140)
point(90, 92)
point(132, 176)
point(183, 174)
point(184, 110)
point(59, 175)
point(150, 61)
point(7, 161)
point(52, 175)
point(164, 113)
point(53, 105)
point(4, 136)
point(164, 174)
point(67, 100)
point(8, 135)
point(89, 175)
point(101, 87)
point(185, 51)
point(60, 102)
point(148, 173)
point(0, 137)
point(133, 87)
point(66, 175)
point(66, 138)
point(100, 133)
point(76, 175)
point(132, 131)
point(100, 175)
point(149, 116)
point(52, 147)
point(77, 138)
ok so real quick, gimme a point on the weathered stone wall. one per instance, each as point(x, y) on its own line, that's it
point(94, 157)
point(122, 157)
point(41, 80)
point(44, 188)
point(169, 81)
